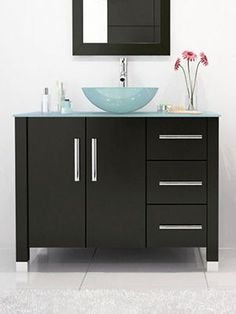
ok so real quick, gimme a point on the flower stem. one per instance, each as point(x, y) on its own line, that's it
point(186, 80)
point(190, 79)
point(191, 105)
point(195, 78)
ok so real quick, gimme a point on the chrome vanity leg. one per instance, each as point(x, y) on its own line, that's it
point(212, 266)
point(22, 267)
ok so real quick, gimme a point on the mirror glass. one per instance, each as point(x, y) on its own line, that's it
point(121, 21)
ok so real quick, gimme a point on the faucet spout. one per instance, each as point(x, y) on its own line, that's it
point(123, 72)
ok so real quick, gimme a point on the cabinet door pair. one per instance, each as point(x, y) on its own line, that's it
point(86, 182)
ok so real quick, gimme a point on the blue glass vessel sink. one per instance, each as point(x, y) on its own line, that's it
point(120, 99)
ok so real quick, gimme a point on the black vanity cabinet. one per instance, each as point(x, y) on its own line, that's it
point(116, 182)
point(85, 182)
point(56, 198)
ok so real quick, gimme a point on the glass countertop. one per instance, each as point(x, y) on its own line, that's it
point(97, 114)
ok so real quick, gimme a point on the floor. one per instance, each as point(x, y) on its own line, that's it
point(118, 269)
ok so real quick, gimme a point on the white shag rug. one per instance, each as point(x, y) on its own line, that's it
point(36, 301)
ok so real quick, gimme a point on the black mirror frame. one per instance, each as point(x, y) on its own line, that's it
point(80, 48)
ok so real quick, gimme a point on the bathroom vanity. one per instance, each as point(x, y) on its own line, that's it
point(141, 180)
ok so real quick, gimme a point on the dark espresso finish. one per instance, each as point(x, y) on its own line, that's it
point(56, 201)
point(116, 201)
point(163, 175)
point(128, 34)
point(135, 190)
point(132, 12)
point(160, 148)
point(154, 13)
point(213, 190)
point(21, 160)
point(180, 216)
point(134, 21)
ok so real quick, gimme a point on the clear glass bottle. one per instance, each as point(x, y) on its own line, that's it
point(66, 106)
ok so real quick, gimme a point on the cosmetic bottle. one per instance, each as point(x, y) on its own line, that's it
point(60, 95)
point(66, 106)
point(45, 101)
point(62, 92)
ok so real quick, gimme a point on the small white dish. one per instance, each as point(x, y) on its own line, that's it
point(186, 111)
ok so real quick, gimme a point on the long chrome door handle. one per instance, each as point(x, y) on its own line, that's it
point(77, 159)
point(180, 227)
point(180, 137)
point(94, 159)
point(180, 183)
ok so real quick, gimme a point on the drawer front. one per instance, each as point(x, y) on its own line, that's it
point(176, 182)
point(176, 139)
point(176, 225)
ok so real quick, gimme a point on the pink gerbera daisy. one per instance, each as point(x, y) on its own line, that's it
point(177, 64)
point(189, 55)
point(204, 59)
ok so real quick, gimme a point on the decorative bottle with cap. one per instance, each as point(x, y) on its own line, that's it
point(45, 101)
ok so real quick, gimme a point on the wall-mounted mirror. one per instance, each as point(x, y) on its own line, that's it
point(121, 27)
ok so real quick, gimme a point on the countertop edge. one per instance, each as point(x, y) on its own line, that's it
point(95, 114)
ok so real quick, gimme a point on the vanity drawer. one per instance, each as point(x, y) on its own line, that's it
point(176, 225)
point(176, 139)
point(176, 182)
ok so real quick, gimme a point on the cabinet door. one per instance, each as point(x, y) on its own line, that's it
point(56, 181)
point(116, 182)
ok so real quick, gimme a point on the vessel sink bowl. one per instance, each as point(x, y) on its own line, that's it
point(120, 99)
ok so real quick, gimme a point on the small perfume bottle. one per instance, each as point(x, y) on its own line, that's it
point(45, 101)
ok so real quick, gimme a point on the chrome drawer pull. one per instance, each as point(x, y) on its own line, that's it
point(180, 183)
point(94, 160)
point(180, 227)
point(77, 159)
point(180, 137)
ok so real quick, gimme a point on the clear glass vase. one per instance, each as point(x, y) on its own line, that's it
point(192, 102)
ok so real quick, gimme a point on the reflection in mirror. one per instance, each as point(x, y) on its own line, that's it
point(121, 21)
point(95, 21)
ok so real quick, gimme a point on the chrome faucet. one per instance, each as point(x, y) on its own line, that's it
point(123, 72)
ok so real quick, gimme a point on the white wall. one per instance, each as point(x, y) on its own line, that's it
point(35, 51)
